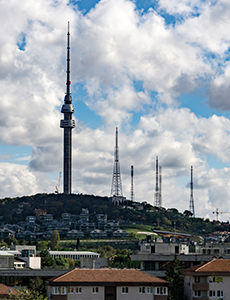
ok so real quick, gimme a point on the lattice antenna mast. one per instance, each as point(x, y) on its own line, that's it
point(160, 186)
point(157, 194)
point(68, 124)
point(132, 190)
point(191, 203)
point(116, 188)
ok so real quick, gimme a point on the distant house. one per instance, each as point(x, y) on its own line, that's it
point(107, 284)
point(210, 280)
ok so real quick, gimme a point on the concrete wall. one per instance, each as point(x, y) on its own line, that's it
point(94, 263)
point(6, 262)
point(164, 248)
point(32, 262)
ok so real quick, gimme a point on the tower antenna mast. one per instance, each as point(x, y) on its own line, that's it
point(116, 188)
point(68, 124)
point(191, 203)
point(157, 193)
point(132, 191)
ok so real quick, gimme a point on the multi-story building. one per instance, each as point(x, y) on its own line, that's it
point(107, 284)
point(21, 256)
point(155, 254)
point(210, 280)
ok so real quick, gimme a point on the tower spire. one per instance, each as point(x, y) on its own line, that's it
point(116, 188)
point(191, 203)
point(68, 82)
point(68, 124)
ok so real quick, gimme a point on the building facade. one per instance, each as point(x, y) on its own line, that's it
point(210, 280)
point(107, 284)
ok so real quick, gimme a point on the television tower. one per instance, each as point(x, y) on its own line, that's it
point(157, 191)
point(132, 193)
point(191, 203)
point(160, 186)
point(68, 124)
point(116, 188)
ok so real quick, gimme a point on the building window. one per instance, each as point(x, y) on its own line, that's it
point(124, 290)
point(212, 293)
point(70, 290)
point(142, 290)
point(197, 279)
point(95, 290)
point(149, 290)
point(161, 291)
point(219, 279)
point(78, 290)
point(197, 293)
point(220, 293)
point(56, 290)
point(63, 290)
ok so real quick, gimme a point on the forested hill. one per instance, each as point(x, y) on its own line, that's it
point(14, 210)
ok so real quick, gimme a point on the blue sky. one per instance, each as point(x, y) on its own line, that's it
point(159, 70)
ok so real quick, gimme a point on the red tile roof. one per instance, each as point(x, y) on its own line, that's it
point(213, 266)
point(118, 276)
point(5, 290)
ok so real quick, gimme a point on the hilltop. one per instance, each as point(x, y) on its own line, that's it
point(14, 210)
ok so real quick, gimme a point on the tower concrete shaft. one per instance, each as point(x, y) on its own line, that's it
point(191, 203)
point(68, 124)
point(132, 190)
point(116, 188)
point(157, 192)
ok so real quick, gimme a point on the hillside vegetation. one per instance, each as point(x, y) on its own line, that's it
point(14, 210)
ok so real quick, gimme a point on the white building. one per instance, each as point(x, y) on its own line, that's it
point(75, 255)
point(210, 280)
point(107, 284)
point(164, 248)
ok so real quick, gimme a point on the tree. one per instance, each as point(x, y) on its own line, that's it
point(174, 276)
point(27, 295)
point(187, 213)
point(37, 284)
point(46, 259)
point(41, 245)
point(55, 240)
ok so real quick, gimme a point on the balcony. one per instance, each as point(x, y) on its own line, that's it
point(200, 286)
point(67, 124)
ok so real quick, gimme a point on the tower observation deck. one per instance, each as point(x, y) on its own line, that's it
point(68, 124)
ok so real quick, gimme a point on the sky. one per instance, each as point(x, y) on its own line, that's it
point(159, 70)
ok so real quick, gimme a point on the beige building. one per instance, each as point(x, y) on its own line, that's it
point(210, 280)
point(107, 284)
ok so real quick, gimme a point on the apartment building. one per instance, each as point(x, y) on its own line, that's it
point(107, 284)
point(210, 280)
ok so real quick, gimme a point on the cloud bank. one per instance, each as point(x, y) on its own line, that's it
point(134, 67)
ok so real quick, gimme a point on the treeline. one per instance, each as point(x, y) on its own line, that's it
point(14, 210)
